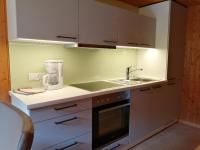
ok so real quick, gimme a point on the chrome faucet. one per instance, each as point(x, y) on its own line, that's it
point(129, 70)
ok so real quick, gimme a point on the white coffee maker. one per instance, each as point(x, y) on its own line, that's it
point(54, 78)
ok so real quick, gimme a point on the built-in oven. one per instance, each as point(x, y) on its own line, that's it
point(110, 118)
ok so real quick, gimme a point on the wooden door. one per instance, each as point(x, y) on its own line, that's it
point(4, 55)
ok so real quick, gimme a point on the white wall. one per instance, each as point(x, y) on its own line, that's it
point(154, 62)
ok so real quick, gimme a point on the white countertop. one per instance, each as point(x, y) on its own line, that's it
point(66, 94)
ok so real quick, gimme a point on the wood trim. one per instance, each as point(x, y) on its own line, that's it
point(152, 3)
point(143, 3)
point(4, 55)
point(178, 2)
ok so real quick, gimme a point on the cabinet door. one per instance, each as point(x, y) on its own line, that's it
point(173, 98)
point(47, 20)
point(177, 41)
point(147, 31)
point(158, 106)
point(128, 26)
point(97, 23)
point(140, 116)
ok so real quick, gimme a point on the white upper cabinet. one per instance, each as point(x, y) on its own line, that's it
point(89, 22)
point(97, 23)
point(128, 26)
point(147, 31)
point(135, 30)
point(44, 20)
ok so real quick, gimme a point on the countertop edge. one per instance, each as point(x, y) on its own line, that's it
point(85, 96)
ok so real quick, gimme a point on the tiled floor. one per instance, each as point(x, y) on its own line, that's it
point(177, 137)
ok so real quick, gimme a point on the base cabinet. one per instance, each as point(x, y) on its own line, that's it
point(140, 114)
point(153, 108)
point(158, 106)
point(63, 128)
point(70, 126)
point(173, 98)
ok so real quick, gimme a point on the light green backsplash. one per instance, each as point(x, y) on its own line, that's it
point(80, 64)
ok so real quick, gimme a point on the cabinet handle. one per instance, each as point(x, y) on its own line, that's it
point(157, 86)
point(61, 108)
point(66, 37)
point(145, 89)
point(144, 44)
point(109, 41)
point(61, 122)
point(118, 145)
point(68, 146)
point(132, 43)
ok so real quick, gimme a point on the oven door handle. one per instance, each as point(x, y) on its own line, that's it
point(113, 108)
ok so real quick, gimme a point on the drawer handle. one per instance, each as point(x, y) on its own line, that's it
point(109, 41)
point(157, 87)
point(118, 145)
point(145, 89)
point(68, 146)
point(61, 122)
point(66, 37)
point(74, 105)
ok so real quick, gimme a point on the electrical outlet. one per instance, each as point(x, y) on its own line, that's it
point(35, 76)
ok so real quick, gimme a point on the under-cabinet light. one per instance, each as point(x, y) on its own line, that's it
point(131, 47)
point(74, 44)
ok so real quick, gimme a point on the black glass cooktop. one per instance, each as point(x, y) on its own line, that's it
point(96, 86)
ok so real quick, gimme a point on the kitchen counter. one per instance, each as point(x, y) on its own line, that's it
point(66, 94)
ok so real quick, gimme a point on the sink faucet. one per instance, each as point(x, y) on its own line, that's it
point(129, 70)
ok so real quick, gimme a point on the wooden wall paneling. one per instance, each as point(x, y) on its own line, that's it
point(191, 80)
point(189, 2)
point(140, 3)
point(4, 55)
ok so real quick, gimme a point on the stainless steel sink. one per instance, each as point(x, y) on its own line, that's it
point(134, 81)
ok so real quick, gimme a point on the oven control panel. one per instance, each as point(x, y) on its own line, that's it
point(111, 98)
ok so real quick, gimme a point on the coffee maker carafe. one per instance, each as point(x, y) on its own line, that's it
point(54, 78)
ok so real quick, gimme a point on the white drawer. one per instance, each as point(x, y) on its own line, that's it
point(60, 109)
point(51, 132)
point(83, 142)
point(118, 145)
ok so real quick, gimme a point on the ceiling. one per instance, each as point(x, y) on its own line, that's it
point(140, 3)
